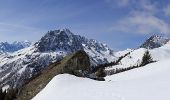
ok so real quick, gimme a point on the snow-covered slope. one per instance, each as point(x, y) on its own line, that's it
point(21, 65)
point(12, 47)
point(161, 53)
point(122, 53)
point(150, 82)
point(135, 56)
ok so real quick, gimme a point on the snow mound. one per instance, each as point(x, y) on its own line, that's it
point(68, 87)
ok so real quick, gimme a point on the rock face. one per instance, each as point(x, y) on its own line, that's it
point(77, 63)
point(59, 40)
point(154, 41)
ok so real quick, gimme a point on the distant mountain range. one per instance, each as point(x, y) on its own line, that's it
point(15, 46)
point(20, 61)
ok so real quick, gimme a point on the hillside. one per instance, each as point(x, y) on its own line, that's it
point(77, 64)
point(135, 56)
point(150, 82)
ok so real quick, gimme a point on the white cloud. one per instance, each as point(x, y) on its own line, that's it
point(140, 5)
point(15, 26)
point(142, 17)
point(166, 10)
point(123, 2)
point(12, 32)
point(142, 24)
point(119, 3)
point(148, 6)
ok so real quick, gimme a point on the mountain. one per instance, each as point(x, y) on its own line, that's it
point(12, 47)
point(55, 53)
point(154, 41)
point(17, 67)
point(64, 40)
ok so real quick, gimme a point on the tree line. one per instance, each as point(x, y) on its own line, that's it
point(103, 66)
point(146, 59)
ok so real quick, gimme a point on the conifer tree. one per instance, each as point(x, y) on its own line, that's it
point(146, 59)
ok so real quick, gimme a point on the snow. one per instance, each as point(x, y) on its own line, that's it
point(122, 53)
point(161, 53)
point(133, 59)
point(135, 56)
point(100, 54)
point(150, 82)
point(5, 87)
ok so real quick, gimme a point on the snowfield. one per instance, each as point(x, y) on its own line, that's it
point(161, 53)
point(150, 82)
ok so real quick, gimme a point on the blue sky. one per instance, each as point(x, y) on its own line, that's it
point(119, 23)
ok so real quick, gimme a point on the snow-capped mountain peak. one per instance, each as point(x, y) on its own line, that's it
point(154, 41)
point(59, 40)
point(65, 40)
